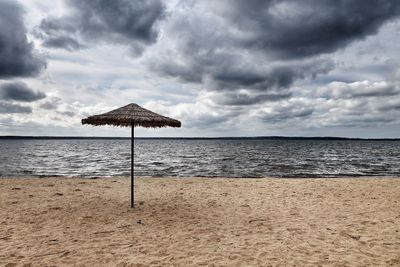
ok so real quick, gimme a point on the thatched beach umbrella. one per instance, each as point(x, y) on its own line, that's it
point(132, 115)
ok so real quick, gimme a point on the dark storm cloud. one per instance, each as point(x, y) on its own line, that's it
point(119, 21)
point(264, 45)
point(65, 42)
point(17, 56)
point(265, 79)
point(293, 28)
point(19, 91)
point(390, 107)
point(280, 115)
point(9, 108)
point(223, 72)
point(242, 99)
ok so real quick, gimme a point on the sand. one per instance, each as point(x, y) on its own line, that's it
point(200, 222)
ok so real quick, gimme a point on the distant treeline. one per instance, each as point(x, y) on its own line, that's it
point(199, 138)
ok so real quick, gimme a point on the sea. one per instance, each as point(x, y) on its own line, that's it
point(236, 157)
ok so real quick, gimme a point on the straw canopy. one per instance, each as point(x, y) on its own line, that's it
point(132, 115)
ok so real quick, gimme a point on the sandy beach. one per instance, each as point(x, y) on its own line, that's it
point(200, 222)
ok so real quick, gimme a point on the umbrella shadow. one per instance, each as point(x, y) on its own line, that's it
point(172, 209)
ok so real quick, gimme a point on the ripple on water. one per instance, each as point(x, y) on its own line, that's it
point(213, 158)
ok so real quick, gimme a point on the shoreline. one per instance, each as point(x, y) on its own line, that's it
point(200, 221)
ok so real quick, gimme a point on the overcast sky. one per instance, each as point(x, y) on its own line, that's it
point(223, 68)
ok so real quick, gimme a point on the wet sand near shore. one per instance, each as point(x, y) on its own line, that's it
point(200, 222)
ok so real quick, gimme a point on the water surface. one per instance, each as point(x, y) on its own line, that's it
point(212, 158)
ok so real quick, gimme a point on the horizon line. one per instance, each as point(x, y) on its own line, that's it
point(201, 138)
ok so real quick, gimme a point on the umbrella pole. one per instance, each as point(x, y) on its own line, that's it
point(132, 167)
